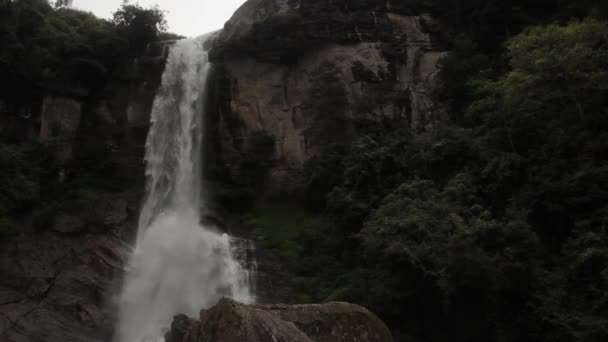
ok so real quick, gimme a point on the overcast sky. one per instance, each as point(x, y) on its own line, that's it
point(186, 17)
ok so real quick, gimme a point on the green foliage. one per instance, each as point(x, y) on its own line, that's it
point(19, 183)
point(19, 170)
point(8, 227)
point(444, 239)
point(63, 3)
point(491, 227)
point(65, 49)
point(29, 186)
point(169, 36)
point(280, 224)
point(289, 230)
point(374, 162)
point(549, 113)
point(464, 61)
point(44, 217)
point(60, 50)
point(139, 25)
point(558, 73)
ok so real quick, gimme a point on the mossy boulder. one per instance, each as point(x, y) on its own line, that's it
point(231, 321)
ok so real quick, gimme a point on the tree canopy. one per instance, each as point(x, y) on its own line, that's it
point(62, 47)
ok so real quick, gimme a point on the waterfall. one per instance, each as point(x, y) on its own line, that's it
point(178, 265)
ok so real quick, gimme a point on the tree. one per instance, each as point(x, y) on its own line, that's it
point(140, 25)
point(439, 253)
point(63, 3)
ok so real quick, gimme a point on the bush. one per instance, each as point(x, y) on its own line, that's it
point(19, 176)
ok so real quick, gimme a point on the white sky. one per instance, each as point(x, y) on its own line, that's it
point(186, 17)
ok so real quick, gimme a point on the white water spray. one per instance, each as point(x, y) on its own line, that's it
point(178, 265)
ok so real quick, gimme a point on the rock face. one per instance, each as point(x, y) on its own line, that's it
point(69, 120)
point(307, 72)
point(101, 215)
point(59, 122)
point(57, 288)
point(60, 118)
point(230, 321)
point(57, 281)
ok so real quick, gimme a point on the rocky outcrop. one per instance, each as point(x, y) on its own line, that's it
point(57, 288)
point(306, 73)
point(230, 321)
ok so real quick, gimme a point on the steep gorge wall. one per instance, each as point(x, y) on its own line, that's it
point(306, 73)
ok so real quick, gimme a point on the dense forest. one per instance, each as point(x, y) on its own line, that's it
point(492, 226)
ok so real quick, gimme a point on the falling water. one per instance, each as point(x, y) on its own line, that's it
point(178, 265)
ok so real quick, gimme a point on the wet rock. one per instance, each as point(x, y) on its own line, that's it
point(230, 321)
point(362, 73)
point(60, 119)
point(69, 224)
point(112, 212)
point(59, 288)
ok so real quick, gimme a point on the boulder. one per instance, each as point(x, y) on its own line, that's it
point(231, 321)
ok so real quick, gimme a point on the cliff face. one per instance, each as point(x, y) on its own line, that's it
point(60, 274)
point(58, 287)
point(306, 73)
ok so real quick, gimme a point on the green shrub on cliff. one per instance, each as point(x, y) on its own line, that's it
point(19, 176)
point(63, 48)
point(19, 183)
